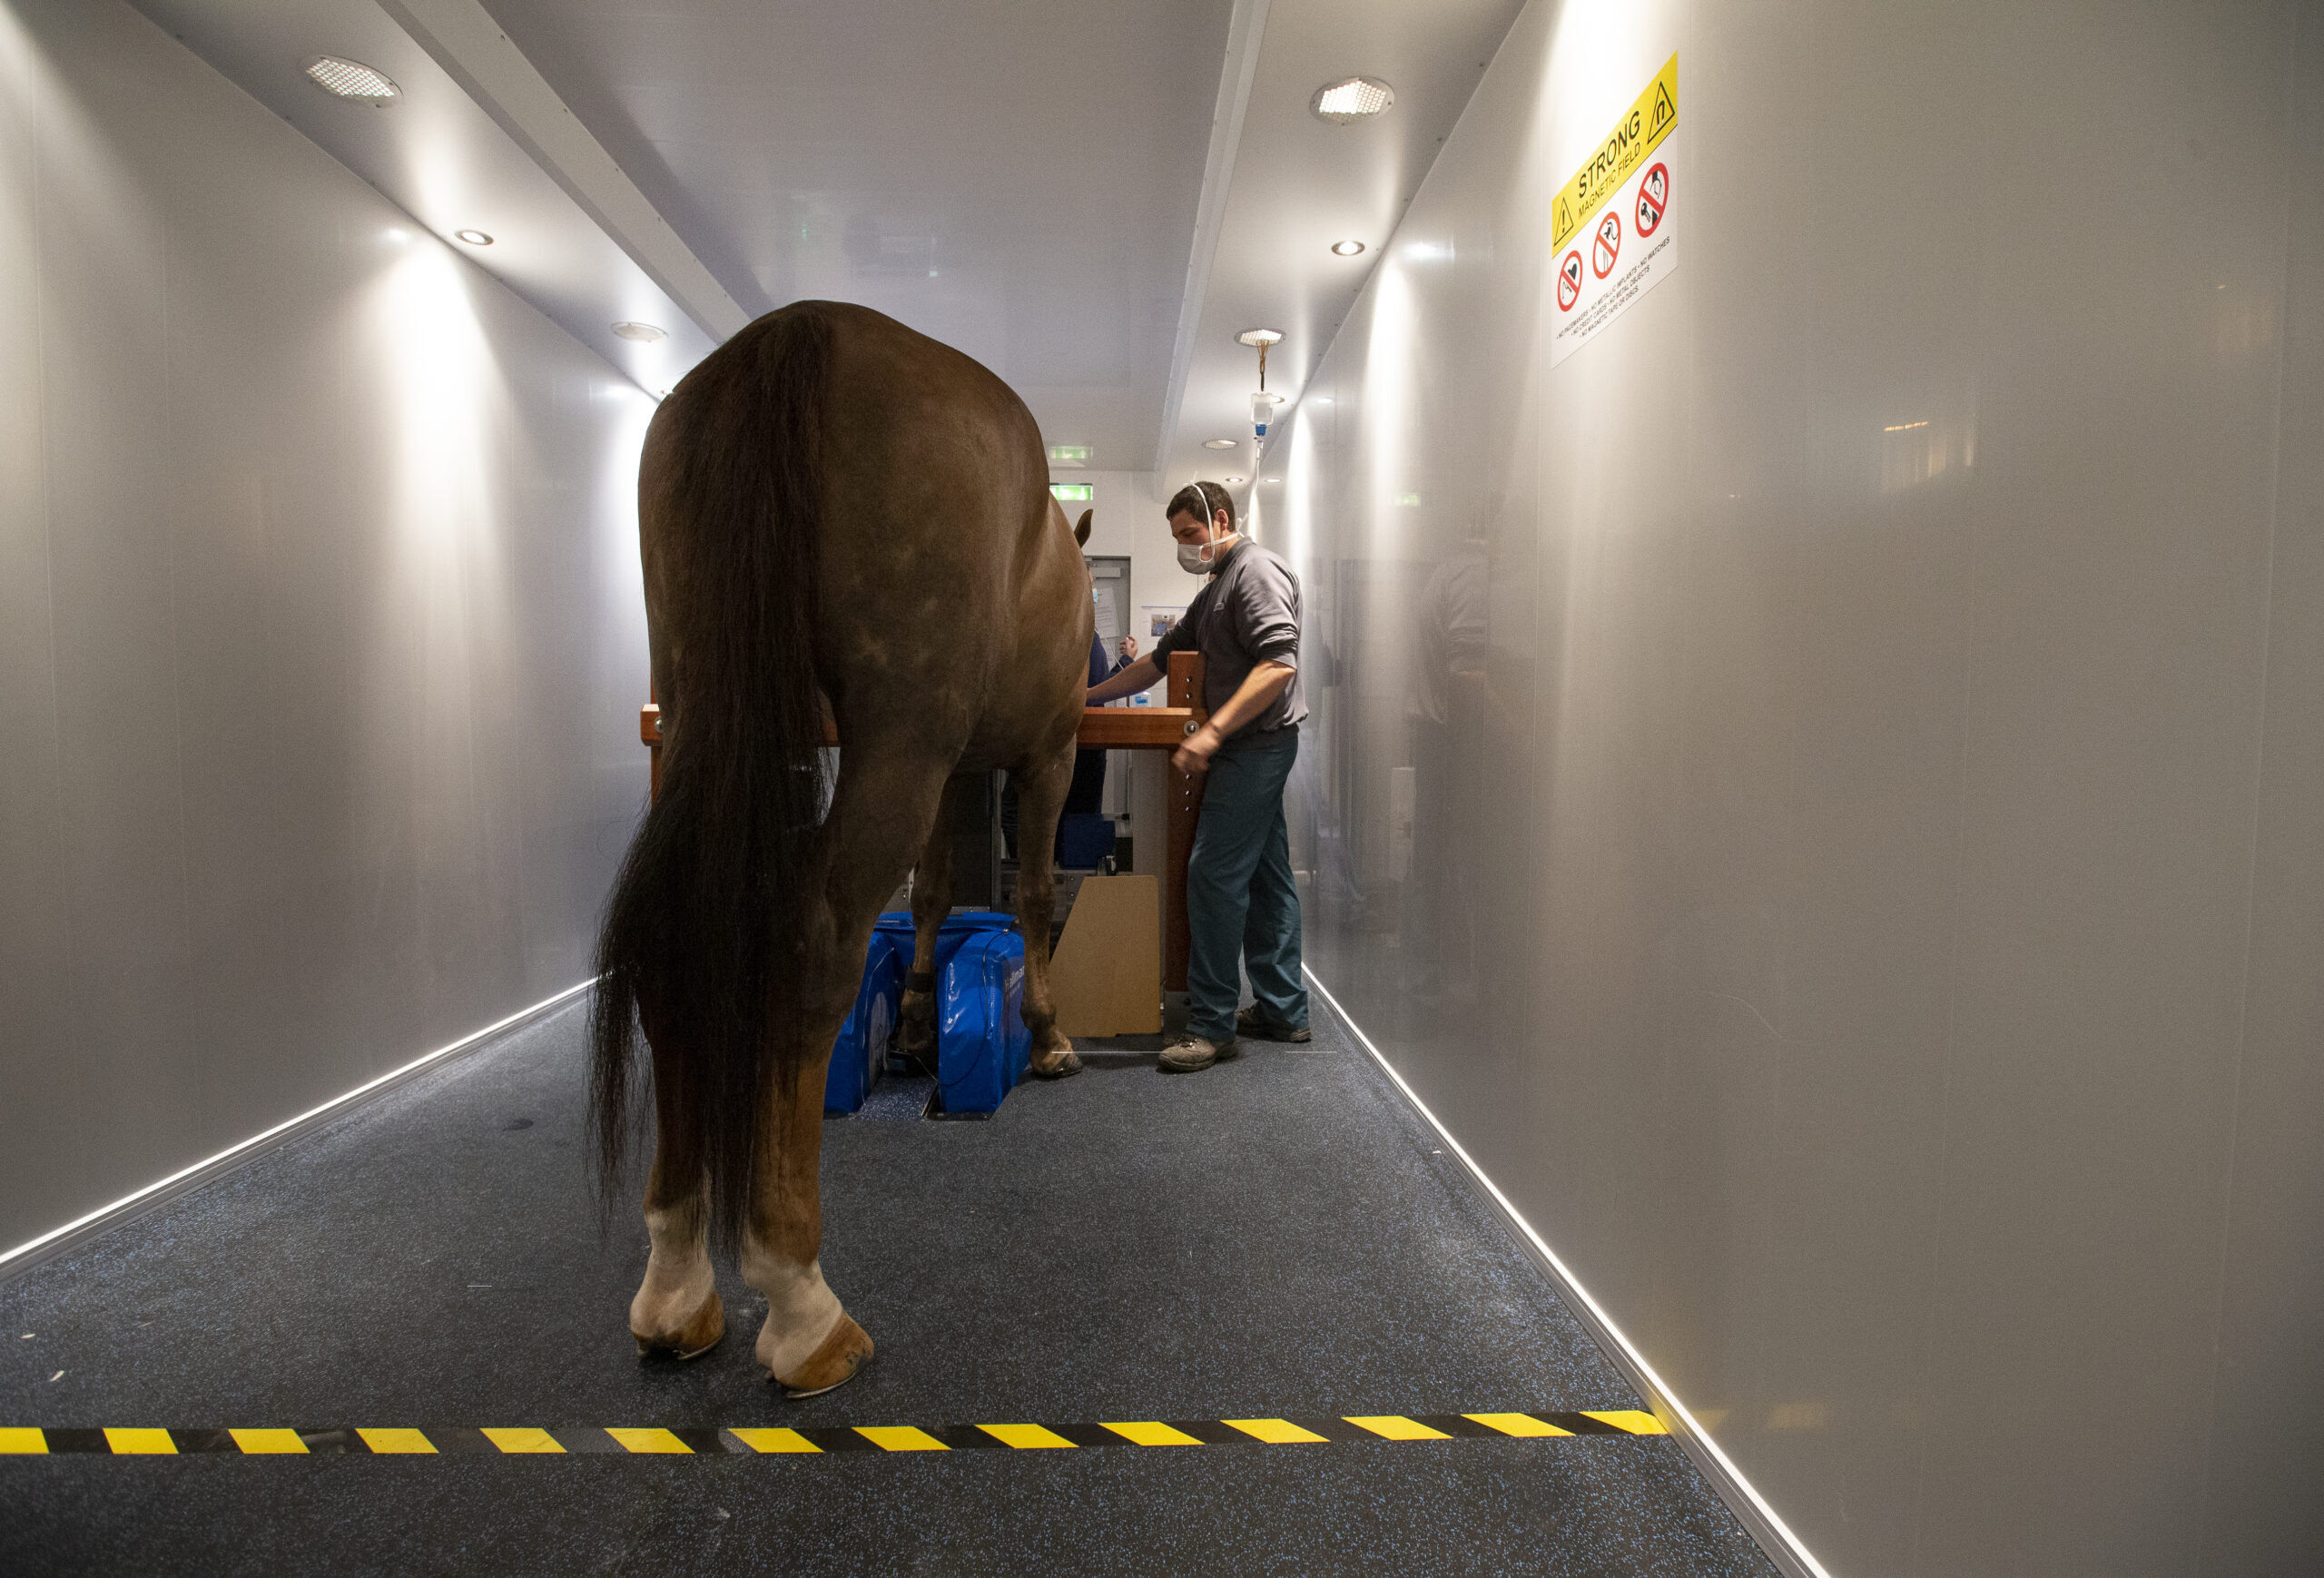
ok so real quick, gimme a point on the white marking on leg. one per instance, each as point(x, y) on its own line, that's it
point(800, 1311)
point(678, 1278)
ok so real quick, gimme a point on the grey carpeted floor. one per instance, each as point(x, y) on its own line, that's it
point(1278, 1236)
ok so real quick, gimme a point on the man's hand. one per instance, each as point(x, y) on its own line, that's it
point(1194, 755)
point(1129, 648)
point(1265, 682)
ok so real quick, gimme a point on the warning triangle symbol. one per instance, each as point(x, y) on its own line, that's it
point(1665, 112)
point(1565, 218)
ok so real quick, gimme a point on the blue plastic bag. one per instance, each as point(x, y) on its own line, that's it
point(981, 1043)
point(955, 931)
point(862, 1044)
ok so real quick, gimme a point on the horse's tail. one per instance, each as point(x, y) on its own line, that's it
point(706, 935)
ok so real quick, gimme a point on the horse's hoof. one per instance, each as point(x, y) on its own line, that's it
point(847, 1350)
point(921, 1058)
point(692, 1340)
point(1054, 1065)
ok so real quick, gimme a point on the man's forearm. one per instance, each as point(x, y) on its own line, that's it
point(1139, 675)
point(1259, 688)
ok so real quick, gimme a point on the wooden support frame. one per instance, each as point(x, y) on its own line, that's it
point(1183, 809)
point(1128, 728)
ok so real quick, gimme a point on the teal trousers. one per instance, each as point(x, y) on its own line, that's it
point(1240, 898)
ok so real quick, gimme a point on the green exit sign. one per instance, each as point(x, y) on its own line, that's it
point(1069, 454)
point(1072, 492)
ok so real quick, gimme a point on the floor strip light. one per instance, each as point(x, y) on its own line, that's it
point(1572, 1285)
point(312, 1112)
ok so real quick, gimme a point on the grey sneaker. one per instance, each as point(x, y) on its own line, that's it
point(1247, 1022)
point(1194, 1054)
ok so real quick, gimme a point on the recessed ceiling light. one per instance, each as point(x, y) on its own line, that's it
point(1260, 337)
point(1218, 443)
point(1270, 479)
point(1239, 478)
point(1351, 99)
point(1346, 249)
point(475, 238)
point(351, 79)
point(643, 334)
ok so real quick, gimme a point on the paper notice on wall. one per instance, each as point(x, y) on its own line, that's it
point(1611, 229)
point(1154, 622)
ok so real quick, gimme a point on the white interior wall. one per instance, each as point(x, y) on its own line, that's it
point(1128, 521)
point(320, 638)
point(1865, 910)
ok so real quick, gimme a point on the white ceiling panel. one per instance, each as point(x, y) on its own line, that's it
point(1021, 178)
point(441, 156)
point(1016, 178)
point(1299, 184)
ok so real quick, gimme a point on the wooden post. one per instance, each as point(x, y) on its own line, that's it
point(649, 729)
point(1183, 809)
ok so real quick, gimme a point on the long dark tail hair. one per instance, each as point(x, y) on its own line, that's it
point(707, 932)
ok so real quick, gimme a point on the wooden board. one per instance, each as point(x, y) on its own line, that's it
point(1106, 979)
point(1129, 728)
point(1103, 728)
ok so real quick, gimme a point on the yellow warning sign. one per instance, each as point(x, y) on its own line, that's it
point(1637, 134)
point(1617, 235)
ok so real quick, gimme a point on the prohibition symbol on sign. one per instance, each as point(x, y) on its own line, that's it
point(1607, 245)
point(1653, 197)
point(1568, 281)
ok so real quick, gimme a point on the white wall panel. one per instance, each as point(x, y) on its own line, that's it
point(321, 642)
point(1863, 907)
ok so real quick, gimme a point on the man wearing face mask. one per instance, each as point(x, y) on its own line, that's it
point(1240, 900)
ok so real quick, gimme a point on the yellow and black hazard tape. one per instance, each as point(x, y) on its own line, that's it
point(751, 1439)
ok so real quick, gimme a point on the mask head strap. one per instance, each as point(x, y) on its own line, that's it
point(1209, 549)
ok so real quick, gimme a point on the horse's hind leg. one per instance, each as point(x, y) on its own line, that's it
point(881, 812)
point(931, 901)
point(676, 1309)
point(1040, 797)
point(809, 1343)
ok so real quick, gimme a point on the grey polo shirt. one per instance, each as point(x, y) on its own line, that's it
point(1246, 614)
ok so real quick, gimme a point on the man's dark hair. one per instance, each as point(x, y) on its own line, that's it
point(1202, 500)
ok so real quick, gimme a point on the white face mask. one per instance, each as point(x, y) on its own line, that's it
point(1200, 558)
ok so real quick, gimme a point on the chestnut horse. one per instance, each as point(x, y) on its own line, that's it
point(834, 511)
